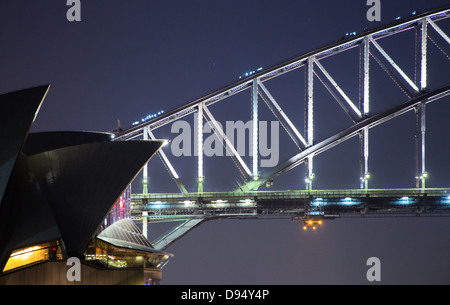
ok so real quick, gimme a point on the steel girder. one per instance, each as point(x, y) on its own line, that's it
point(361, 116)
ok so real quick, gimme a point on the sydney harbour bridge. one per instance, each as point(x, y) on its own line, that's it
point(308, 205)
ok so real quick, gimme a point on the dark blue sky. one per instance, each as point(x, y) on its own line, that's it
point(126, 59)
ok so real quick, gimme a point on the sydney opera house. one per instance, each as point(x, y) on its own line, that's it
point(62, 196)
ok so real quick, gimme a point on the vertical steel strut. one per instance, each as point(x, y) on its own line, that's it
point(255, 129)
point(364, 134)
point(145, 169)
point(309, 119)
point(199, 130)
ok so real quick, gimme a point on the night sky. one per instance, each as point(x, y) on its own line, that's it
point(127, 59)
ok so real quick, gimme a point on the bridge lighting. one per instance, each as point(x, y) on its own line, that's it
point(248, 201)
point(405, 200)
point(349, 201)
point(310, 178)
point(423, 177)
point(318, 202)
point(149, 116)
point(249, 73)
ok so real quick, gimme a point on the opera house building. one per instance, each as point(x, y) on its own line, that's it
point(64, 198)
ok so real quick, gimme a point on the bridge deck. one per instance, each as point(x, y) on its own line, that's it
point(294, 203)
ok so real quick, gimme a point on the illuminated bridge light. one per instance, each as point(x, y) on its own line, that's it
point(349, 201)
point(405, 200)
point(315, 213)
point(446, 200)
point(318, 202)
point(157, 205)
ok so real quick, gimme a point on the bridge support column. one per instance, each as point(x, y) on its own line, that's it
point(200, 147)
point(364, 102)
point(364, 161)
point(145, 169)
point(421, 54)
point(309, 173)
point(421, 174)
point(309, 120)
point(255, 129)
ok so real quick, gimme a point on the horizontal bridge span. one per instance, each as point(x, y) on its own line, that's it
point(196, 208)
point(160, 207)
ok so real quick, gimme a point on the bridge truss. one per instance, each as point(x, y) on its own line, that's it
point(416, 89)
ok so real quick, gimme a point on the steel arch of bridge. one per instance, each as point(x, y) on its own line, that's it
point(358, 111)
point(193, 209)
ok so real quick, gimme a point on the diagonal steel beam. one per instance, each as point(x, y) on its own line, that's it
point(219, 132)
point(169, 166)
point(177, 232)
point(282, 117)
point(406, 90)
point(394, 65)
point(439, 30)
point(340, 91)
